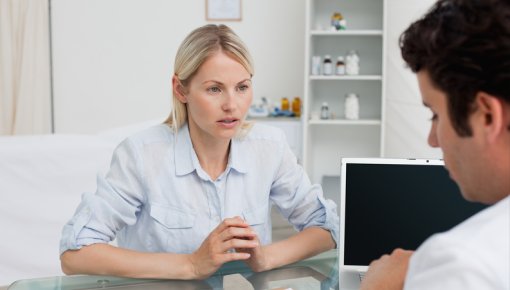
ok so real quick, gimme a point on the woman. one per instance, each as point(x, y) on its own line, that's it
point(189, 195)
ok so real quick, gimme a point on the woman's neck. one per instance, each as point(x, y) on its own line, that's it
point(212, 153)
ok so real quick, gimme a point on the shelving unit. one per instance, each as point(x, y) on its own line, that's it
point(326, 141)
point(347, 77)
point(347, 32)
point(345, 122)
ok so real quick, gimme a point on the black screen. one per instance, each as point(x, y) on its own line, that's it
point(398, 206)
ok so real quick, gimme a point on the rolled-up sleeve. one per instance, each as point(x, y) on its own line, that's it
point(114, 205)
point(302, 203)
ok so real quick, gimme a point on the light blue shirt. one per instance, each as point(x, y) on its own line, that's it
point(157, 198)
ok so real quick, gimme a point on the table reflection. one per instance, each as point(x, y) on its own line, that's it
point(319, 272)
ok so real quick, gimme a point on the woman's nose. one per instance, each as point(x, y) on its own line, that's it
point(228, 101)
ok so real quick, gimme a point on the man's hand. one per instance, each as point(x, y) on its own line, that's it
point(388, 272)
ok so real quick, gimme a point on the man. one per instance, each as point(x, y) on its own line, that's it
point(460, 51)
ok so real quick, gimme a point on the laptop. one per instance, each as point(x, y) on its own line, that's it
point(393, 203)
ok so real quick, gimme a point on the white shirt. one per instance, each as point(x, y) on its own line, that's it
point(156, 197)
point(473, 255)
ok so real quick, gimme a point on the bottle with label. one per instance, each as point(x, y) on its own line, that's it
point(296, 106)
point(352, 63)
point(351, 106)
point(327, 67)
point(324, 111)
point(285, 104)
point(340, 66)
point(316, 65)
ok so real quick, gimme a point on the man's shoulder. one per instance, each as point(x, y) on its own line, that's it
point(479, 231)
point(483, 226)
point(478, 247)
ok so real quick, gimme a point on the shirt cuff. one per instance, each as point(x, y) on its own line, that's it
point(72, 229)
point(332, 220)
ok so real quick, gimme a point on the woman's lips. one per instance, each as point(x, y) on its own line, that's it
point(228, 123)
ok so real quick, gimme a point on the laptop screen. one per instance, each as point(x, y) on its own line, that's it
point(390, 206)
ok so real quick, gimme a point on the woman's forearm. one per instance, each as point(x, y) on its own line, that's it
point(305, 244)
point(103, 259)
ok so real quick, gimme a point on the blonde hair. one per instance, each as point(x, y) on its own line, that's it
point(200, 44)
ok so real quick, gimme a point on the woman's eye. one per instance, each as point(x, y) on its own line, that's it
point(214, 89)
point(243, 88)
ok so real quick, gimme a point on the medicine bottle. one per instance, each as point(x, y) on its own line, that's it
point(340, 66)
point(324, 111)
point(316, 65)
point(327, 66)
point(296, 106)
point(351, 107)
point(285, 104)
point(352, 63)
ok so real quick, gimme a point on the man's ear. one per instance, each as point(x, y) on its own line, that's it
point(178, 90)
point(491, 111)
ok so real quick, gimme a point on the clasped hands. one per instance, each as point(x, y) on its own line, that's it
point(232, 240)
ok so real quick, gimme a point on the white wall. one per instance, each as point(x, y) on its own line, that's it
point(112, 62)
point(406, 119)
point(113, 59)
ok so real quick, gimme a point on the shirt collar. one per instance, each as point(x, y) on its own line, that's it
point(238, 156)
point(186, 159)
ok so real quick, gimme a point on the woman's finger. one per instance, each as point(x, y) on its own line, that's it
point(230, 222)
point(234, 256)
point(237, 243)
point(237, 232)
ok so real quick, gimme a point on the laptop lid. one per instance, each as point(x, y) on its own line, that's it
point(394, 203)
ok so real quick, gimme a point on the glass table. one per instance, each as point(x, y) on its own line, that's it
point(319, 272)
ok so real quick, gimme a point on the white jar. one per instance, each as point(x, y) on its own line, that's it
point(352, 63)
point(351, 107)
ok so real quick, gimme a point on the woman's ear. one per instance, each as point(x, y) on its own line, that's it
point(492, 113)
point(178, 89)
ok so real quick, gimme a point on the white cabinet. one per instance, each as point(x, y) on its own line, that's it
point(325, 142)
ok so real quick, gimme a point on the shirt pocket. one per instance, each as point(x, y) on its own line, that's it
point(171, 217)
point(171, 229)
point(256, 216)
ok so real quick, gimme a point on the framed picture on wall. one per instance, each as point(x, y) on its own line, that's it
point(223, 10)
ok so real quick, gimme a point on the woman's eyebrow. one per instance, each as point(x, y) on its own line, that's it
point(212, 81)
point(245, 80)
point(220, 83)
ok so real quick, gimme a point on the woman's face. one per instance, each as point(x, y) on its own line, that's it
point(218, 98)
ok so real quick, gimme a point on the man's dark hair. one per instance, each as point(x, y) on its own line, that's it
point(464, 46)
